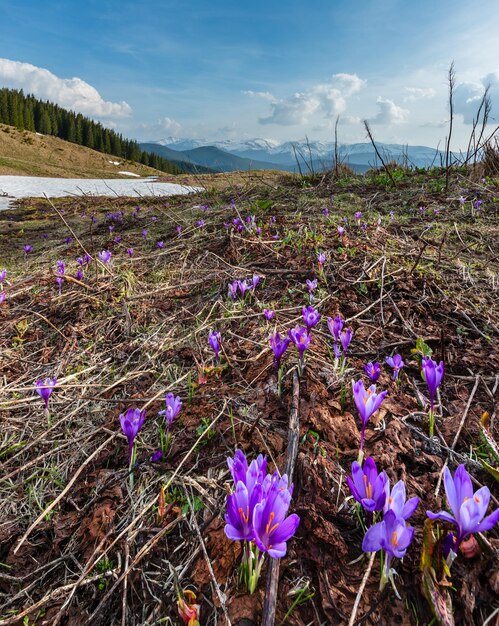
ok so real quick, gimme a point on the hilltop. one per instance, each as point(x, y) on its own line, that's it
point(29, 153)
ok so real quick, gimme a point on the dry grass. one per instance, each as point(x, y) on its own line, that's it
point(77, 544)
point(29, 154)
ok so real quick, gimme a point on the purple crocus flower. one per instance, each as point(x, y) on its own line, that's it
point(325, 212)
point(129, 251)
point(173, 406)
point(200, 223)
point(45, 389)
point(233, 287)
point(341, 231)
point(156, 456)
point(367, 486)
point(367, 402)
point(321, 259)
point(27, 248)
point(391, 535)
point(395, 501)
point(118, 239)
point(433, 375)
point(2, 296)
point(243, 287)
point(311, 285)
point(178, 228)
point(311, 317)
point(249, 475)
point(79, 275)
point(335, 326)
point(144, 233)
point(61, 267)
point(214, 339)
point(131, 422)
point(248, 492)
point(240, 509)
point(468, 508)
point(3, 275)
point(268, 314)
point(299, 335)
point(358, 216)
point(279, 347)
point(272, 529)
point(477, 204)
point(105, 256)
point(255, 281)
point(396, 363)
point(160, 245)
point(373, 371)
point(346, 338)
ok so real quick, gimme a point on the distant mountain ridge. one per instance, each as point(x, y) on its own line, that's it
point(292, 156)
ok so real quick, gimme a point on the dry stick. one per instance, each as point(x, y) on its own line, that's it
point(361, 590)
point(139, 556)
point(470, 400)
point(53, 595)
point(55, 502)
point(220, 594)
point(45, 320)
point(269, 606)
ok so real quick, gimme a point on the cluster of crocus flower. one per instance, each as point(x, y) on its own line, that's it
point(341, 337)
point(257, 514)
point(243, 286)
point(373, 370)
point(391, 534)
point(468, 508)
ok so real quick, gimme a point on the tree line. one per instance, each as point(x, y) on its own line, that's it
point(26, 112)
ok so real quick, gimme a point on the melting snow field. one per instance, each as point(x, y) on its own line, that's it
point(34, 186)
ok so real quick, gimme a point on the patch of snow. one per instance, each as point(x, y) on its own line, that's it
point(129, 174)
point(36, 187)
point(39, 134)
point(115, 162)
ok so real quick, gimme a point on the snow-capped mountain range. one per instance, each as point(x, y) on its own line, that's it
point(288, 153)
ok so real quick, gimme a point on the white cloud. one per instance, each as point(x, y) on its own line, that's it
point(389, 112)
point(326, 100)
point(164, 126)
point(468, 95)
point(416, 93)
point(265, 95)
point(70, 93)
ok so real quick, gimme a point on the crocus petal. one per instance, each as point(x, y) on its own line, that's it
point(490, 521)
point(373, 537)
point(286, 529)
point(443, 515)
point(277, 551)
point(410, 507)
point(450, 492)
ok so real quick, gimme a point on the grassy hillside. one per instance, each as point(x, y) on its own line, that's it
point(30, 154)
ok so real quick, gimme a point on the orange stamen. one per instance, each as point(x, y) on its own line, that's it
point(245, 517)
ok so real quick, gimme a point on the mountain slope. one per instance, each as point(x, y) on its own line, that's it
point(181, 160)
point(30, 154)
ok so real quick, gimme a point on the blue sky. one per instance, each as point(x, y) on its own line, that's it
point(281, 70)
